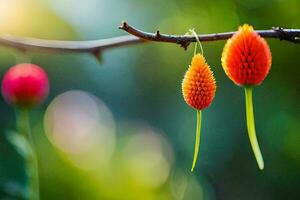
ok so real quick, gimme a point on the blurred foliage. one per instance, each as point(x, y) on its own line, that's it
point(141, 88)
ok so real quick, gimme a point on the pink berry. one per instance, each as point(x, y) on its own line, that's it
point(25, 85)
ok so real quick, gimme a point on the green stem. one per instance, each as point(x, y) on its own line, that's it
point(22, 57)
point(197, 142)
point(195, 49)
point(23, 126)
point(251, 128)
point(198, 41)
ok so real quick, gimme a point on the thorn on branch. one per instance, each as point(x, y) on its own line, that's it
point(22, 50)
point(97, 53)
point(124, 26)
point(184, 44)
point(157, 34)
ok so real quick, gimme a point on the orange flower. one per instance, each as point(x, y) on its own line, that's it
point(198, 89)
point(246, 57)
point(198, 85)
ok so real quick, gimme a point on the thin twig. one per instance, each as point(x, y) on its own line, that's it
point(93, 46)
point(136, 37)
point(291, 35)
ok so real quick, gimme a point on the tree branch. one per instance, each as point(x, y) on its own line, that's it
point(136, 37)
point(291, 35)
point(93, 46)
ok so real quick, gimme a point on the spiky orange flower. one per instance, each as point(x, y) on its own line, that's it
point(198, 85)
point(246, 57)
point(198, 89)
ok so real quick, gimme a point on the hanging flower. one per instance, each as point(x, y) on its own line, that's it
point(246, 59)
point(198, 89)
point(198, 85)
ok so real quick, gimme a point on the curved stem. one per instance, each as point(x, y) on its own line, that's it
point(251, 128)
point(195, 49)
point(197, 142)
point(198, 41)
point(23, 126)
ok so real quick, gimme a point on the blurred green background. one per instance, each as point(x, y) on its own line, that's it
point(120, 130)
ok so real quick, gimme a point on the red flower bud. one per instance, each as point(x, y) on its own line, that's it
point(25, 85)
point(246, 58)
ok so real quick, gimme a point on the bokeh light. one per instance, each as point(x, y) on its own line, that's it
point(147, 157)
point(80, 124)
point(9, 13)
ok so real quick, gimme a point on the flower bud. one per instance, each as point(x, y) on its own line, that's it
point(25, 85)
point(198, 85)
point(246, 57)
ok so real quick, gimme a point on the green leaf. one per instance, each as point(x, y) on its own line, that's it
point(20, 143)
